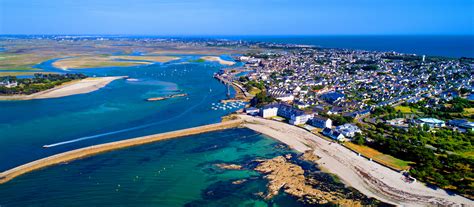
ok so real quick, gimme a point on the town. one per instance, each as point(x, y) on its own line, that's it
point(309, 82)
point(406, 107)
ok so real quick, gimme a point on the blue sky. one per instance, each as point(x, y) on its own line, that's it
point(237, 17)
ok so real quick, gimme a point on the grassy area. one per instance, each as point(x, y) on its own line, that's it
point(200, 60)
point(468, 112)
point(109, 61)
point(469, 154)
point(378, 156)
point(254, 91)
point(20, 61)
point(406, 110)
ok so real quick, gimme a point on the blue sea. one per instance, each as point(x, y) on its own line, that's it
point(432, 45)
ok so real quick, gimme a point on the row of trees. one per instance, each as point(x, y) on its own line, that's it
point(437, 165)
point(39, 82)
point(453, 109)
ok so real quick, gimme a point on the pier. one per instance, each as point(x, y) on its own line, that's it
point(240, 90)
point(101, 148)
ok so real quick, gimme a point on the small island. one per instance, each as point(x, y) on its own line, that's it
point(166, 97)
point(42, 86)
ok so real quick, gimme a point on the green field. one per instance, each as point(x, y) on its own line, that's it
point(378, 156)
point(406, 110)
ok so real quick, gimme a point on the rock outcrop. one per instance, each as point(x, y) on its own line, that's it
point(309, 156)
point(229, 166)
point(290, 177)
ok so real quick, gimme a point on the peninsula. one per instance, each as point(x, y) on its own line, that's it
point(74, 87)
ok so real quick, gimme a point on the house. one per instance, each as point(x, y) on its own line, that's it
point(348, 130)
point(431, 122)
point(397, 121)
point(9, 84)
point(269, 111)
point(285, 97)
point(300, 117)
point(462, 124)
point(252, 111)
point(335, 110)
point(321, 122)
point(332, 97)
point(363, 113)
point(333, 134)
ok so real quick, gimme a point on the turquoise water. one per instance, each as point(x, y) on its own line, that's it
point(117, 111)
point(176, 172)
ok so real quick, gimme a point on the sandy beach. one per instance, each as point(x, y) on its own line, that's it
point(71, 88)
point(370, 178)
point(218, 59)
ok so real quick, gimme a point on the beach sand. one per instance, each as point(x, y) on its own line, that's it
point(71, 88)
point(370, 178)
point(218, 59)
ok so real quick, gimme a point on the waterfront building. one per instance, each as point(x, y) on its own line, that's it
point(333, 134)
point(269, 111)
point(252, 111)
point(321, 122)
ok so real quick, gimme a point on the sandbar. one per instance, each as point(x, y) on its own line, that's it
point(218, 59)
point(109, 61)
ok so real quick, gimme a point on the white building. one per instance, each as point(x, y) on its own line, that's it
point(321, 122)
point(333, 134)
point(298, 119)
point(431, 122)
point(348, 130)
point(252, 111)
point(286, 97)
point(269, 111)
point(9, 84)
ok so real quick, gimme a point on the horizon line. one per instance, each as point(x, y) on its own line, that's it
point(235, 35)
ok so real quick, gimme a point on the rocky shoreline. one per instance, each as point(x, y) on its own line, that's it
point(284, 175)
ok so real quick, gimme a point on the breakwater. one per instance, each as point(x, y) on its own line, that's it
point(101, 148)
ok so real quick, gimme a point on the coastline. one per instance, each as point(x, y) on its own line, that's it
point(101, 148)
point(67, 89)
point(369, 178)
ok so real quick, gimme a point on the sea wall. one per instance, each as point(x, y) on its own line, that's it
point(96, 149)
